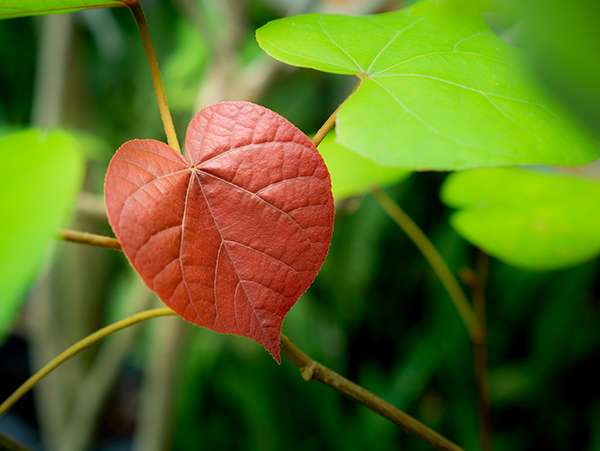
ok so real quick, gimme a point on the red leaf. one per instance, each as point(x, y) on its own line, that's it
point(232, 238)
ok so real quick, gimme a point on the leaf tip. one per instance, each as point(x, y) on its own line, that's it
point(276, 353)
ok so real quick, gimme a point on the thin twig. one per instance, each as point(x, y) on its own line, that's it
point(313, 370)
point(330, 121)
point(327, 125)
point(75, 349)
point(436, 261)
point(161, 98)
point(76, 236)
point(480, 353)
point(9, 444)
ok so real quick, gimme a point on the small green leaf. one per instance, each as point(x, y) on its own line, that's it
point(352, 174)
point(438, 89)
point(39, 177)
point(532, 219)
point(19, 8)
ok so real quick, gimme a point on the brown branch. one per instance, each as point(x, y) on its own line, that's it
point(75, 236)
point(313, 370)
point(9, 444)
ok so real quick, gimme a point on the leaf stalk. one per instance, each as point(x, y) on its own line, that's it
point(76, 236)
point(75, 349)
point(165, 113)
point(313, 370)
point(439, 266)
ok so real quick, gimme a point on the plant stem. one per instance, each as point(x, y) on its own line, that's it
point(326, 127)
point(8, 444)
point(480, 353)
point(77, 348)
point(76, 236)
point(313, 370)
point(161, 98)
point(436, 261)
point(330, 122)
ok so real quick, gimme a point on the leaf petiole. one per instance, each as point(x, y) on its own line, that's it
point(75, 349)
point(313, 370)
point(76, 236)
point(161, 98)
point(439, 266)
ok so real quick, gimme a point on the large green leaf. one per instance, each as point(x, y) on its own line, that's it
point(19, 8)
point(352, 174)
point(533, 219)
point(438, 89)
point(39, 178)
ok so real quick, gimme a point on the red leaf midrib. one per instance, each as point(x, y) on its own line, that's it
point(223, 245)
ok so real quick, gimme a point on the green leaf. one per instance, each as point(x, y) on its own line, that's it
point(438, 89)
point(20, 8)
point(352, 174)
point(39, 178)
point(532, 219)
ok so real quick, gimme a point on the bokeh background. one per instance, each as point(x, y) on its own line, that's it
point(376, 313)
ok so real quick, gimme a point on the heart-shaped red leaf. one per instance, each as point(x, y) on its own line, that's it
point(231, 238)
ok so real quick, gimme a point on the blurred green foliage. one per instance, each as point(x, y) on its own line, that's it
point(563, 44)
point(40, 174)
point(184, 66)
point(376, 312)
